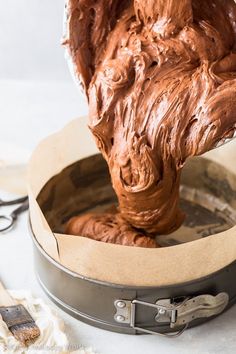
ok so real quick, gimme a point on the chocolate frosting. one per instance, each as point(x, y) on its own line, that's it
point(160, 77)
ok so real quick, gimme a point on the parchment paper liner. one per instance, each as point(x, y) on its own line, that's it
point(114, 263)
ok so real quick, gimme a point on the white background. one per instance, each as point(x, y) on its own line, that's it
point(30, 40)
point(36, 89)
point(37, 97)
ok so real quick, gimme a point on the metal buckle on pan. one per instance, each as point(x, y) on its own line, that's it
point(177, 314)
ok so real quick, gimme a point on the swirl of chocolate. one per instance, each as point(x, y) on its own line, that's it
point(160, 77)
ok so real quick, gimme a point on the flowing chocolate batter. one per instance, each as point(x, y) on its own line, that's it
point(160, 77)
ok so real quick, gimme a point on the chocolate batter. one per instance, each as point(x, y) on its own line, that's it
point(160, 77)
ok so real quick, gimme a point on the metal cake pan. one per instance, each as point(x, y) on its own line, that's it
point(92, 301)
point(122, 308)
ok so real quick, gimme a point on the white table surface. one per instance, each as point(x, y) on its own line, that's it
point(28, 112)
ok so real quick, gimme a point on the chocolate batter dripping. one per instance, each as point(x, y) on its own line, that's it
point(160, 77)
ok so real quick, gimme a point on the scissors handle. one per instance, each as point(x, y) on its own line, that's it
point(13, 202)
point(24, 206)
point(10, 220)
point(7, 222)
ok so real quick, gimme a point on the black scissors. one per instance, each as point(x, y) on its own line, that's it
point(10, 220)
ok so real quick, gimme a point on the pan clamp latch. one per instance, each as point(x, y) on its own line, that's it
point(177, 312)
